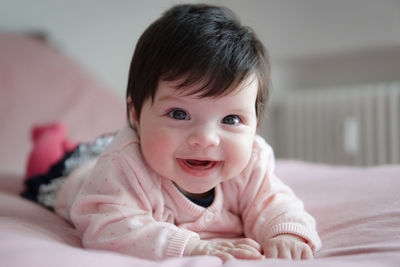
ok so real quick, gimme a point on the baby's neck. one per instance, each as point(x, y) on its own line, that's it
point(205, 200)
point(209, 195)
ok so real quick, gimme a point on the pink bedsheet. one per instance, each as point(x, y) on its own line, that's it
point(357, 209)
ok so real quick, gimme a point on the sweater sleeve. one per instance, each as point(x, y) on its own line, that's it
point(117, 211)
point(269, 207)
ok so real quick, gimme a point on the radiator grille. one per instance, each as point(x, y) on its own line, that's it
point(356, 125)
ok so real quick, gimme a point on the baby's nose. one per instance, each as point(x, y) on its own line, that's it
point(203, 137)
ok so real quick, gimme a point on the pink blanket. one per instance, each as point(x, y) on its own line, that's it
point(357, 209)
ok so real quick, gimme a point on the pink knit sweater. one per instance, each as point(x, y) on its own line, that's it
point(118, 203)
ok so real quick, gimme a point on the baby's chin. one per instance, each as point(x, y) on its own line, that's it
point(198, 194)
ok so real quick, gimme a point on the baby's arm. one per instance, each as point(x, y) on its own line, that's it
point(272, 214)
point(113, 211)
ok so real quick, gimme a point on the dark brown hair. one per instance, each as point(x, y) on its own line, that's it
point(197, 43)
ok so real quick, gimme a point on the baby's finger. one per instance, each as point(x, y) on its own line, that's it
point(307, 254)
point(296, 253)
point(284, 253)
point(224, 256)
point(245, 254)
point(249, 248)
point(271, 252)
point(225, 244)
point(249, 242)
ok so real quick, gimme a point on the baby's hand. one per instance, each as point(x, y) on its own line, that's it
point(287, 247)
point(245, 248)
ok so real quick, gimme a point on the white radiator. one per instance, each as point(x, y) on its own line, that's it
point(358, 125)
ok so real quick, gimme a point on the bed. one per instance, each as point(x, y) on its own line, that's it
point(357, 209)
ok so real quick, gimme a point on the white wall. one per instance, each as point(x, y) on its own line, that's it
point(311, 42)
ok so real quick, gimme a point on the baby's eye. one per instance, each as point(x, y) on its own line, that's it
point(231, 120)
point(178, 114)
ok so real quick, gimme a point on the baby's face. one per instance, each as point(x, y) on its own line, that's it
point(198, 142)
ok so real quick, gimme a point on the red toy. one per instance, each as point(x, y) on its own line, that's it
point(50, 143)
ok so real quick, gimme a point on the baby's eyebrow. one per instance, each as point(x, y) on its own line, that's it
point(241, 111)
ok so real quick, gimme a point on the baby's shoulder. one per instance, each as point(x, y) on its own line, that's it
point(127, 168)
point(260, 161)
point(260, 149)
point(124, 139)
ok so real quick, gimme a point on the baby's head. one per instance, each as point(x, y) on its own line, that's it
point(197, 44)
point(197, 87)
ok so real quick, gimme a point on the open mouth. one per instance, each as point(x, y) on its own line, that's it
point(198, 165)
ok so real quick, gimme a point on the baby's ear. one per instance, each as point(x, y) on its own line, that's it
point(133, 118)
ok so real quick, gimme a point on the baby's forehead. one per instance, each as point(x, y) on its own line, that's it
point(205, 88)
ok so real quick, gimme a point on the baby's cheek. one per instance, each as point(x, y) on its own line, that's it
point(157, 147)
point(153, 146)
point(239, 155)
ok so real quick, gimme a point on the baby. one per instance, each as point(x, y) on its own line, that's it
point(188, 175)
